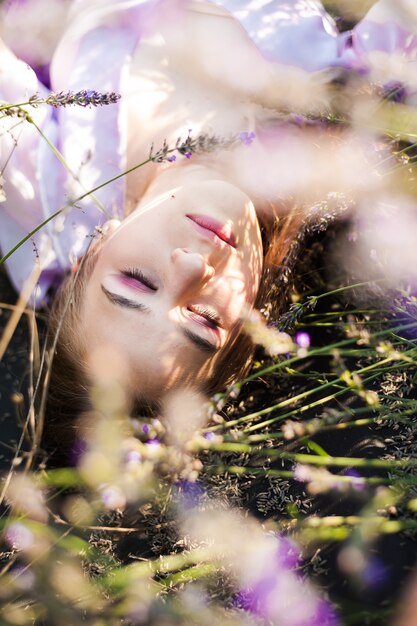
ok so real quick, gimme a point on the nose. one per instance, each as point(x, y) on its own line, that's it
point(191, 270)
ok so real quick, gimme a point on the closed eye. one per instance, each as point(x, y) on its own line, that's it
point(202, 344)
point(125, 302)
point(132, 276)
point(211, 317)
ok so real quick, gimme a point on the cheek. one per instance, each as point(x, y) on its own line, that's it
point(245, 279)
point(235, 295)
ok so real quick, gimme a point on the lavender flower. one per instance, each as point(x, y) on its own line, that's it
point(19, 536)
point(394, 91)
point(375, 574)
point(302, 340)
point(287, 554)
point(153, 442)
point(82, 98)
point(280, 595)
point(133, 457)
point(23, 577)
point(203, 143)
point(12, 111)
point(247, 138)
point(358, 483)
point(190, 494)
point(77, 451)
point(325, 615)
point(200, 144)
point(112, 497)
point(299, 120)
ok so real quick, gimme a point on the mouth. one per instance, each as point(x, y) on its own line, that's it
point(218, 230)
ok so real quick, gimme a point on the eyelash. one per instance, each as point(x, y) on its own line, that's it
point(136, 274)
point(210, 317)
point(208, 314)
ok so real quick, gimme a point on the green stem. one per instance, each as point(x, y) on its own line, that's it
point(123, 576)
point(324, 351)
point(62, 160)
point(240, 470)
point(72, 203)
point(187, 575)
point(7, 106)
point(323, 461)
point(29, 235)
point(348, 287)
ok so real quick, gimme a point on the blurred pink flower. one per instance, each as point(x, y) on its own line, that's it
point(19, 536)
point(282, 597)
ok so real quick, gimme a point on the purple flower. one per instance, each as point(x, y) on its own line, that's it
point(358, 482)
point(189, 493)
point(172, 158)
point(19, 536)
point(394, 91)
point(270, 601)
point(23, 577)
point(298, 119)
point(84, 97)
point(281, 596)
point(375, 573)
point(247, 138)
point(325, 615)
point(133, 457)
point(302, 340)
point(153, 442)
point(288, 554)
point(188, 155)
point(145, 428)
point(209, 436)
point(78, 449)
point(113, 498)
point(254, 600)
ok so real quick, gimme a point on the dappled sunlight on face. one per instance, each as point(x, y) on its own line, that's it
point(172, 282)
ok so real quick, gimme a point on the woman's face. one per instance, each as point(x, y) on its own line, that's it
point(171, 283)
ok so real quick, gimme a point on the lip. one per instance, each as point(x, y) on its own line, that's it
point(220, 231)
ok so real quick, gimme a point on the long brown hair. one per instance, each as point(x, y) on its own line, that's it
point(69, 385)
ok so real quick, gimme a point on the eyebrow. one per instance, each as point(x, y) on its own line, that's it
point(122, 301)
point(201, 343)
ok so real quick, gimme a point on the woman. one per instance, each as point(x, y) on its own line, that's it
point(179, 66)
point(165, 290)
point(213, 262)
